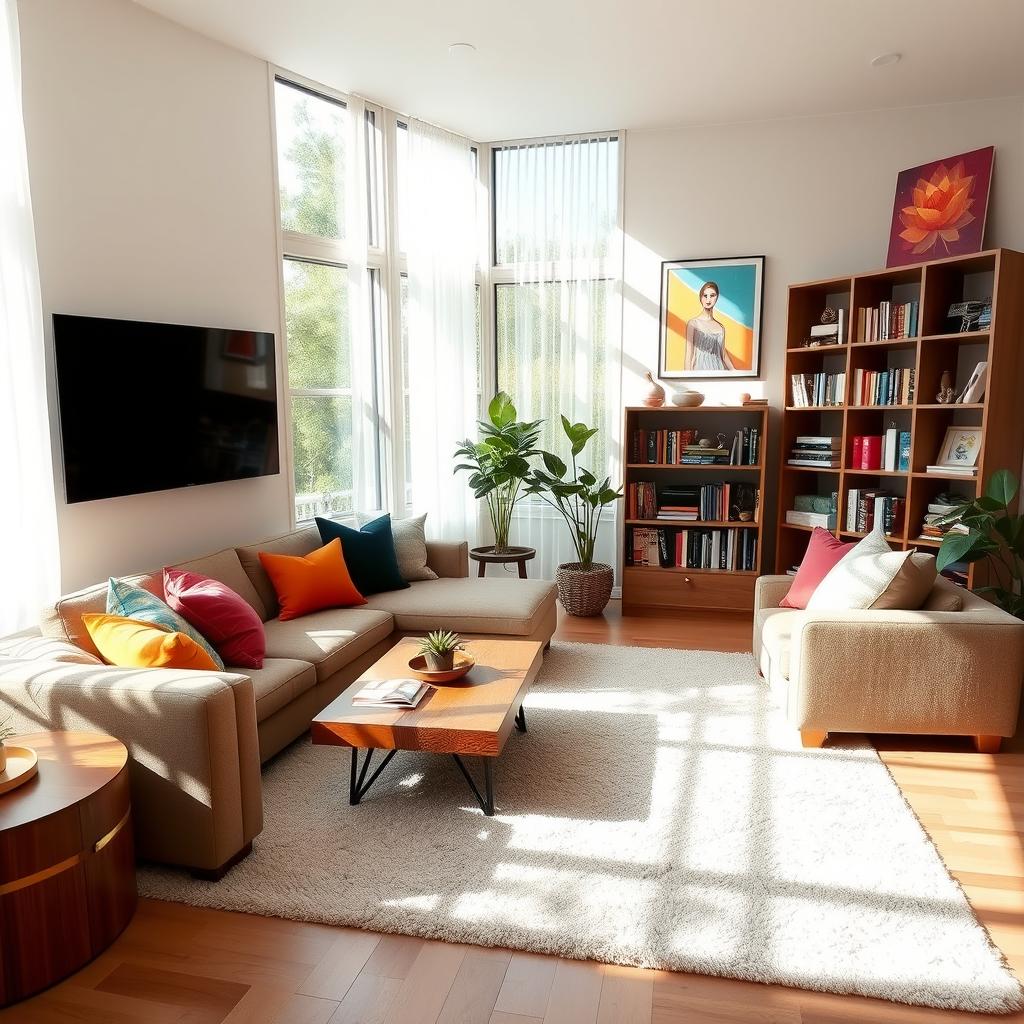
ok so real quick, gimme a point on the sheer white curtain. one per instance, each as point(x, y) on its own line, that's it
point(441, 246)
point(28, 518)
point(558, 313)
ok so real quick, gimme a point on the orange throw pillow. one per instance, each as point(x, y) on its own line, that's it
point(132, 643)
point(307, 583)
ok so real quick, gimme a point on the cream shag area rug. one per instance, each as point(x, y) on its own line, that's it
point(659, 812)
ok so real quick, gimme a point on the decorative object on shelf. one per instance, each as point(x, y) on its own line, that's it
point(995, 535)
point(655, 396)
point(829, 315)
point(711, 317)
point(974, 389)
point(960, 447)
point(499, 463)
point(975, 315)
point(686, 398)
point(745, 397)
point(584, 586)
point(940, 208)
point(945, 394)
point(438, 649)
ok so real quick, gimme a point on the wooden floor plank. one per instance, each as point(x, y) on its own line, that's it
point(527, 985)
point(393, 956)
point(575, 993)
point(500, 1017)
point(476, 986)
point(627, 996)
point(368, 1001)
point(426, 986)
point(341, 965)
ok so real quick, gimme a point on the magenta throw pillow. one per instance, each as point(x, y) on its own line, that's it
point(228, 621)
point(823, 552)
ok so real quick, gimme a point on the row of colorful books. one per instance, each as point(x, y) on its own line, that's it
point(681, 448)
point(889, 451)
point(865, 508)
point(718, 502)
point(817, 388)
point(723, 548)
point(894, 386)
point(887, 321)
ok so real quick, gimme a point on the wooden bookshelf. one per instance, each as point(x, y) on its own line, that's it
point(658, 587)
point(997, 273)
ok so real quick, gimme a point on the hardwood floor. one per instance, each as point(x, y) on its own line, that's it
point(184, 965)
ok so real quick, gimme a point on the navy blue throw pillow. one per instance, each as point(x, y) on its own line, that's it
point(369, 554)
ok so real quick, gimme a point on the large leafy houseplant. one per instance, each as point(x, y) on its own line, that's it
point(499, 463)
point(580, 498)
point(994, 534)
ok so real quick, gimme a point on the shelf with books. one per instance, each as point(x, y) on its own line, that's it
point(722, 491)
point(981, 366)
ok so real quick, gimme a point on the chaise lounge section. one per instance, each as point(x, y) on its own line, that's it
point(197, 739)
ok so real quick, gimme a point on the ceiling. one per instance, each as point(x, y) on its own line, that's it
point(545, 67)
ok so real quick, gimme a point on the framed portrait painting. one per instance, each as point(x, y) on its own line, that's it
point(711, 317)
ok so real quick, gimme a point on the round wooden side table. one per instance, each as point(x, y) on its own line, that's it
point(67, 860)
point(487, 556)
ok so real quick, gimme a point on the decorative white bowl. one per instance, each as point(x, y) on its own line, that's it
point(686, 398)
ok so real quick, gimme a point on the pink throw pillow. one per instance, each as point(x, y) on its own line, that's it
point(228, 621)
point(823, 552)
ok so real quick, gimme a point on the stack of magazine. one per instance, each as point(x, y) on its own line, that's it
point(391, 693)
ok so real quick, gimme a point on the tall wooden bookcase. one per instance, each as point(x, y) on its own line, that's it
point(657, 587)
point(999, 274)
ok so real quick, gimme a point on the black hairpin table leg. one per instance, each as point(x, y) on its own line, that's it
point(521, 719)
point(486, 801)
point(356, 787)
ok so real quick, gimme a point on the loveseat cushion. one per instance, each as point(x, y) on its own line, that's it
point(775, 628)
point(225, 567)
point(278, 683)
point(298, 542)
point(470, 605)
point(328, 639)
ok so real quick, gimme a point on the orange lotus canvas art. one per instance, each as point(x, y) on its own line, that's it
point(940, 208)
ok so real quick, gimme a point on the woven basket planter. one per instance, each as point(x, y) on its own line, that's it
point(584, 591)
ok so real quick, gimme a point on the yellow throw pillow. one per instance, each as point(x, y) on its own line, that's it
point(131, 643)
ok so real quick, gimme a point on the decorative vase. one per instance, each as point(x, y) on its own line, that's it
point(439, 662)
point(686, 398)
point(945, 395)
point(655, 397)
point(584, 591)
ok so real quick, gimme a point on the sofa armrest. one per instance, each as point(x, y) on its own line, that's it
point(948, 673)
point(191, 737)
point(770, 590)
point(448, 558)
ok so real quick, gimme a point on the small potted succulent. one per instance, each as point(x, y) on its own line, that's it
point(6, 732)
point(438, 649)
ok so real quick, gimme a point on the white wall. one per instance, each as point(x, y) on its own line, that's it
point(814, 195)
point(151, 172)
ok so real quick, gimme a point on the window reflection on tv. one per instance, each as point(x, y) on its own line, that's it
point(150, 407)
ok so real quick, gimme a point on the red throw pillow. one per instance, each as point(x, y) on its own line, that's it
point(823, 551)
point(228, 621)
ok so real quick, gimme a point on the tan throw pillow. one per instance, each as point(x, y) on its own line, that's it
point(873, 576)
point(46, 648)
point(410, 544)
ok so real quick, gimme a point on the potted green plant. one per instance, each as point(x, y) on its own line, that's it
point(994, 534)
point(438, 649)
point(6, 732)
point(498, 464)
point(584, 586)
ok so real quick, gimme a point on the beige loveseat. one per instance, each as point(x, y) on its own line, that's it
point(953, 668)
point(197, 739)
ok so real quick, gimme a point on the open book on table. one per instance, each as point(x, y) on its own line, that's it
point(391, 693)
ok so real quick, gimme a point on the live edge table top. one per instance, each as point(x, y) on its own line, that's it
point(472, 716)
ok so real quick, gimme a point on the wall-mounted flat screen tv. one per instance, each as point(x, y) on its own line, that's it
point(148, 407)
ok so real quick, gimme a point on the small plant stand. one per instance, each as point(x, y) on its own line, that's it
point(487, 555)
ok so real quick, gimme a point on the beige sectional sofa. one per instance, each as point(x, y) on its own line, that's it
point(197, 739)
point(952, 668)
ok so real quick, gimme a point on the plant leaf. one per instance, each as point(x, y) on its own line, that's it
point(501, 410)
point(554, 465)
point(960, 547)
point(1002, 487)
point(587, 478)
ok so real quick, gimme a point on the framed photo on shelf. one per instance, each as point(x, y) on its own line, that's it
point(711, 317)
point(960, 447)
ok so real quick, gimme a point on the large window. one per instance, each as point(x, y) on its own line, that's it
point(330, 349)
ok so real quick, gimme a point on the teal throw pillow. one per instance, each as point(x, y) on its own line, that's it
point(369, 554)
point(136, 603)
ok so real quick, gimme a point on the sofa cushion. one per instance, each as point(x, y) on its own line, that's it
point(505, 607)
point(410, 539)
point(298, 542)
point(823, 552)
point(369, 553)
point(46, 648)
point(313, 582)
point(328, 639)
point(225, 567)
point(141, 643)
point(63, 618)
point(774, 628)
point(278, 683)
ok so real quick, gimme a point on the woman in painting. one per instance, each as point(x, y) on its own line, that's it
point(705, 336)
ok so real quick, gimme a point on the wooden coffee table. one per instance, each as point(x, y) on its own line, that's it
point(471, 717)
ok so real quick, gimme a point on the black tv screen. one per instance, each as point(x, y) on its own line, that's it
point(147, 407)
